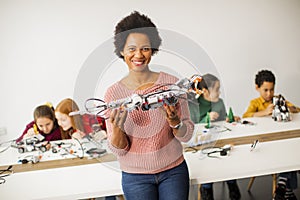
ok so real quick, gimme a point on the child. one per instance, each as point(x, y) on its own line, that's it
point(263, 106)
point(44, 123)
point(77, 125)
point(210, 102)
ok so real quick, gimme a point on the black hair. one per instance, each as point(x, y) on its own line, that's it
point(135, 23)
point(264, 76)
point(208, 81)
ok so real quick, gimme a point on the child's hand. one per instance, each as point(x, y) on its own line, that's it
point(294, 109)
point(269, 109)
point(213, 116)
point(237, 118)
point(99, 136)
point(29, 133)
point(78, 135)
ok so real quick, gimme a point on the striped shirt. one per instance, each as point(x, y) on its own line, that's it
point(152, 145)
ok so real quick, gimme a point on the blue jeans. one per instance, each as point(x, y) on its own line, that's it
point(172, 184)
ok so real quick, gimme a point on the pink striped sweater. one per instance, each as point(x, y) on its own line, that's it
point(152, 145)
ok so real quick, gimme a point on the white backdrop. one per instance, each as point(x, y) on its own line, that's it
point(44, 44)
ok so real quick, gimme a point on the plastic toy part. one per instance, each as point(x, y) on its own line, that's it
point(31, 159)
point(33, 143)
point(230, 116)
point(156, 96)
point(207, 121)
point(280, 112)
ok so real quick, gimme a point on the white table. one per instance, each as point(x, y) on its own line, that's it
point(267, 158)
point(265, 128)
point(77, 182)
point(104, 179)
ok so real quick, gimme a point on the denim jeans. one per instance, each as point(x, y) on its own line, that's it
point(172, 184)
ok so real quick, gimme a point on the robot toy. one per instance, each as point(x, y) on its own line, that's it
point(280, 111)
point(33, 143)
point(155, 97)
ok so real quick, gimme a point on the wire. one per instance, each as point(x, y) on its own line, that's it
point(211, 151)
point(82, 149)
point(10, 141)
point(8, 171)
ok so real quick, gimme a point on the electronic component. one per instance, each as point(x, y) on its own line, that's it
point(157, 96)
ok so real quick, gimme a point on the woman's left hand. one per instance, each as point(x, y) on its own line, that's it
point(171, 115)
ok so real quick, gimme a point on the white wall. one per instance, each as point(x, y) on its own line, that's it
point(44, 44)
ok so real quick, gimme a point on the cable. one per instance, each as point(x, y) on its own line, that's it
point(10, 141)
point(82, 149)
point(211, 151)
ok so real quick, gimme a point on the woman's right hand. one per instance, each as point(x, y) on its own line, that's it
point(117, 119)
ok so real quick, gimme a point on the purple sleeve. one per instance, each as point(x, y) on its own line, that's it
point(29, 126)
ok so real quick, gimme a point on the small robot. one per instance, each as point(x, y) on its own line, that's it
point(281, 111)
point(33, 143)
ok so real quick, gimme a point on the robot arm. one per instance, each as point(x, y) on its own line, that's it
point(157, 97)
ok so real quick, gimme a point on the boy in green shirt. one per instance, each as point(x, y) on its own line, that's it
point(210, 102)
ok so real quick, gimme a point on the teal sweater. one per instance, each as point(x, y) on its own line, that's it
point(199, 108)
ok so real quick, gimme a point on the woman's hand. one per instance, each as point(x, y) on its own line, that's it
point(118, 138)
point(174, 120)
point(171, 115)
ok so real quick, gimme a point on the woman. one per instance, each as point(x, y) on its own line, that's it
point(147, 143)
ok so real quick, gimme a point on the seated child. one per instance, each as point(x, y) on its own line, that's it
point(77, 125)
point(44, 123)
point(210, 102)
point(263, 106)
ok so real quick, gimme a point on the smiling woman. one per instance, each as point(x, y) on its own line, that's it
point(41, 41)
point(141, 139)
